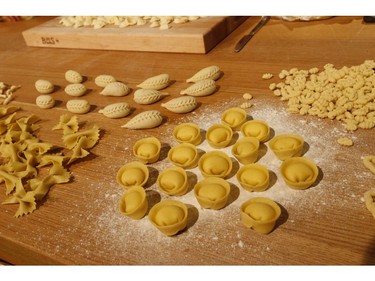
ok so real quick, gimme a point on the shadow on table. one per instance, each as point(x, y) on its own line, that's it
point(369, 258)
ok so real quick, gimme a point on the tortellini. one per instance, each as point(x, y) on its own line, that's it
point(169, 216)
point(187, 132)
point(256, 128)
point(134, 203)
point(234, 117)
point(212, 193)
point(147, 150)
point(215, 164)
point(246, 150)
point(173, 181)
point(184, 155)
point(286, 146)
point(299, 172)
point(253, 177)
point(132, 174)
point(219, 135)
point(260, 214)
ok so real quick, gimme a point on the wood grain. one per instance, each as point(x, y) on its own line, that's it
point(193, 37)
point(79, 223)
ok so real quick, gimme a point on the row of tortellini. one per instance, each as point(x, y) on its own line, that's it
point(213, 191)
point(148, 93)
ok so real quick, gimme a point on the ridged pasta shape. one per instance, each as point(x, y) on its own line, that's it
point(211, 72)
point(75, 90)
point(116, 110)
point(181, 104)
point(44, 86)
point(201, 88)
point(104, 79)
point(45, 101)
point(157, 82)
point(145, 120)
point(79, 106)
point(148, 96)
point(73, 77)
point(115, 89)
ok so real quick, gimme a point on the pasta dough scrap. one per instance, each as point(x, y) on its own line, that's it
point(369, 162)
point(370, 201)
point(345, 141)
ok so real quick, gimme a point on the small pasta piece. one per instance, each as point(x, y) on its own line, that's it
point(247, 96)
point(267, 76)
point(345, 141)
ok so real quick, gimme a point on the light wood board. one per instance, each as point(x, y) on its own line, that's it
point(198, 36)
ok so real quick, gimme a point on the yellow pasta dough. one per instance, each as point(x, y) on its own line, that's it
point(253, 177)
point(132, 174)
point(187, 132)
point(287, 145)
point(299, 172)
point(234, 117)
point(215, 164)
point(246, 150)
point(134, 203)
point(169, 216)
point(184, 155)
point(173, 181)
point(212, 193)
point(370, 201)
point(256, 128)
point(260, 214)
point(369, 162)
point(219, 135)
point(147, 150)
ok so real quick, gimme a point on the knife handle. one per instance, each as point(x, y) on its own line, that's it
point(369, 19)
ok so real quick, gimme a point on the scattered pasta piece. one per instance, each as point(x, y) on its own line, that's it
point(246, 105)
point(369, 162)
point(267, 76)
point(369, 197)
point(345, 141)
point(24, 155)
point(247, 96)
point(346, 94)
point(6, 92)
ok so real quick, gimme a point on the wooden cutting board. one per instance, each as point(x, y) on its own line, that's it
point(198, 36)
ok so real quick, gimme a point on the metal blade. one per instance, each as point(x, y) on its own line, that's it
point(240, 44)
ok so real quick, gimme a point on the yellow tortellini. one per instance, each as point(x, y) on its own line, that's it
point(253, 177)
point(187, 132)
point(215, 164)
point(234, 117)
point(132, 174)
point(173, 181)
point(219, 135)
point(260, 214)
point(212, 193)
point(184, 155)
point(169, 216)
point(299, 172)
point(147, 150)
point(287, 145)
point(246, 150)
point(134, 203)
point(256, 128)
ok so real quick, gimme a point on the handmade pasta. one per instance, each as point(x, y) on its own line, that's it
point(147, 150)
point(187, 132)
point(148, 96)
point(212, 193)
point(369, 162)
point(215, 164)
point(173, 181)
point(260, 214)
point(256, 128)
point(181, 104)
point(73, 77)
point(299, 172)
point(169, 216)
point(157, 82)
point(246, 150)
point(287, 145)
point(134, 203)
point(144, 120)
point(115, 89)
point(234, 117)
point(132, 174)
point(219, 135)
point(369, 201)
point(75, 90)
point(45, 101)
point(212, 72)
point(79, 106)
point(104, 79)
point(116, 110)
point(184, 155)
point(44, 86)
point(253, 177)
point(201, 88)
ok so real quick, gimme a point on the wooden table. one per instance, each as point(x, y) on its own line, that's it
point(79, 222)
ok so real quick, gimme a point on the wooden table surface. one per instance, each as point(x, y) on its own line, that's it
point(79, 222)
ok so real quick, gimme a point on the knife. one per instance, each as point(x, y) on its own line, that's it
point(240, 44)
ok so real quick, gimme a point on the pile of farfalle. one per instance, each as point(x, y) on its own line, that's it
point(30, 167)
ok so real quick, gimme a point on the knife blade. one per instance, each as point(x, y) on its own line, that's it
point(240, 44)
